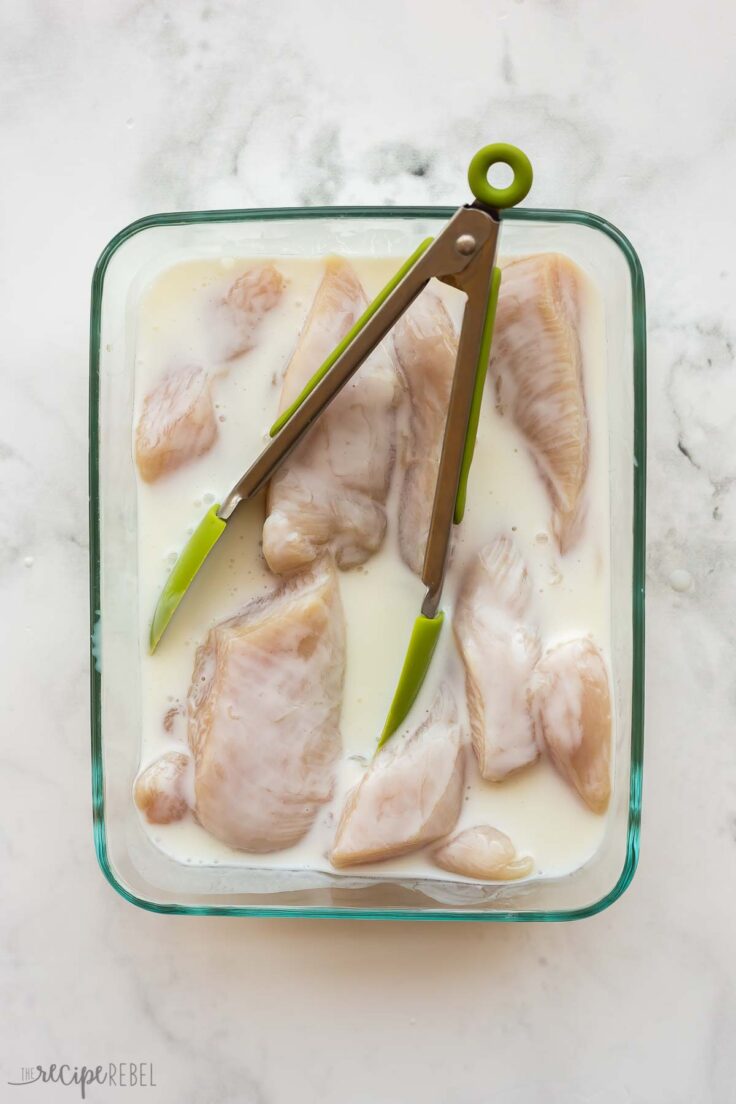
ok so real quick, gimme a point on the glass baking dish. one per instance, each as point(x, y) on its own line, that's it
point(133, 866)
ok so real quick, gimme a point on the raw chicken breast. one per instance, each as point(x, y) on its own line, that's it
point(160, 790)
point(499, 650)
point(426, 347)
point(409, 796)
point(177, 423)
point(264, 711)
point(483, 852)
point(331, 492)
point(538, 370)
point(243, 308)
point(571, 705)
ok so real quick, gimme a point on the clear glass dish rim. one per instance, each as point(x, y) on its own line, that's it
point(528, 214)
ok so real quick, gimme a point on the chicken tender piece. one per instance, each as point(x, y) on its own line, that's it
point(571, 704)
point(160, 790)
point(499, 649)
point(537, 365)
point(330, 493)
point(247, 302)
point(264, 711)
point(483, 852)
point(409, 796)
point(426, 348)
point(177, 423)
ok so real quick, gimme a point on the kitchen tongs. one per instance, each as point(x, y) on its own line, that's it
point(463, 255)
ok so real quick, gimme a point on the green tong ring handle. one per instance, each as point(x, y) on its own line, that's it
point(496, 154)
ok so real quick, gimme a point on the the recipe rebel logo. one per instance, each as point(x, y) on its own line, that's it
point(117, 1075)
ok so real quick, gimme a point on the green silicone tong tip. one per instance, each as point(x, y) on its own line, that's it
point(195, 552)
point(423, 641)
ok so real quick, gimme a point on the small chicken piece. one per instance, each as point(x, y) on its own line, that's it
point(409, 796)
point(330, 493)
point(499, 650)
point(426, 348)
point(247, 302)
point(264, 711)
point(571, 706)
point(177, 424)
point(537, 365)
point(160, 790)
point(483, 852)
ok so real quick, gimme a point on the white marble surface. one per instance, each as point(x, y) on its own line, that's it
point(112, 110)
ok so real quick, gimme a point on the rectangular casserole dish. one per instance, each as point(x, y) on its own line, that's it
point(136, 869)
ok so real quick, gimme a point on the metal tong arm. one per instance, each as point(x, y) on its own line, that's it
point(480, 285)
point(455, 249)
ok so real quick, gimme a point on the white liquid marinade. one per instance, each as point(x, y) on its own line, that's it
point(540, 812)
